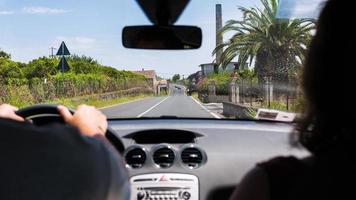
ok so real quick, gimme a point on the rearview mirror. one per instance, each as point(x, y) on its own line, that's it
point(162, 37)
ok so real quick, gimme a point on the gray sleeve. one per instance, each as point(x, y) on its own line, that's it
point(62, 163)
point(98, 152)
point(254, 186)
point(119, 188)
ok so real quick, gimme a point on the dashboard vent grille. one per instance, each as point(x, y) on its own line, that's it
point(192, 157)
point(164, 157)
point(136, 157)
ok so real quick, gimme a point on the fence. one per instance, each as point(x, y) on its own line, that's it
point(213, 98)
point(279, 96)
point(249, 92)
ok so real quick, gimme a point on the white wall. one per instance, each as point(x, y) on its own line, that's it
point(207, 69)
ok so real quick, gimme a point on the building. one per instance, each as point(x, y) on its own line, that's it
point(162, 87)
point(152, 78)
point(230, 67)
point(207, 68)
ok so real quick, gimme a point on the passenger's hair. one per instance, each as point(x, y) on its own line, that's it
point(329, 81)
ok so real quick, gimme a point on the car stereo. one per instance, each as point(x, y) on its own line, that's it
point(167, 186)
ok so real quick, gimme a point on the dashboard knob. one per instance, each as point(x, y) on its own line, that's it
point(140, 195)
point(186, 195)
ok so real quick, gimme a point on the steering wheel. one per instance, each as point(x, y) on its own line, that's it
point(44, 114)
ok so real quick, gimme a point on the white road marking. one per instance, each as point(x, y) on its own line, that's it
point(142, 114)
point(213, 114)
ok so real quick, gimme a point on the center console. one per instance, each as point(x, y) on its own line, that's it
point(164, 186)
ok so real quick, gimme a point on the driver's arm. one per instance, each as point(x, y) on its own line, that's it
point(87, 119)
point(8, 112)
point(83, 140)
point(91, 123)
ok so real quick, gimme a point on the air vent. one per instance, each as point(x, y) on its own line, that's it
point(136, 157)
point(164, 157)
point(192, 157)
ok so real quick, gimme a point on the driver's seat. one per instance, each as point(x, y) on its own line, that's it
point(56, 162)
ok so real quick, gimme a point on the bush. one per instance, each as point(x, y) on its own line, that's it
point(9, 68)
point(294, 106)
point(16, 95)
point(39, 80)
point(41, 68)
point(221, 80)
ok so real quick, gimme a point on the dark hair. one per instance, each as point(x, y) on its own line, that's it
point(328, 81)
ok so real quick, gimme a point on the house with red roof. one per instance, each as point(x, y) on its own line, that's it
point(152, 78)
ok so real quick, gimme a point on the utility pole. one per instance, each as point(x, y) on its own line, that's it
point(52, 53)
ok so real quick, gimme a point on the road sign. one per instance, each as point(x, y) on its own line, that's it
point(63, 50)
point(63, 65)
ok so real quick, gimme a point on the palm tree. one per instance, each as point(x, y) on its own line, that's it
point(274, 45)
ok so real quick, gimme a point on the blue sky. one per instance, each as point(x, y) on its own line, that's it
point(93, 28)
point(299, 8)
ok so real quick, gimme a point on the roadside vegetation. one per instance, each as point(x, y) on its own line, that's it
point(175, 78)
point(195, 95)
point(278, 46)
point(222, 80)
point(39, 81)
point(270, 52)
point(99, 103)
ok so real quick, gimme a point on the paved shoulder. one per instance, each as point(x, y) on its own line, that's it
point(131, 109)
point(179, 106)
point(175, 105)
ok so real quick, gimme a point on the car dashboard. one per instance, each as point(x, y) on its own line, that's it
point(191, 159)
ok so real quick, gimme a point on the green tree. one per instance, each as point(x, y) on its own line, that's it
point(41, 68)
point(175, 77)
point(247, 74)
point(159, 78)
point(10, 69)
point(3, 54)
point(83, 64)
point(276, 45)
point(111, 72)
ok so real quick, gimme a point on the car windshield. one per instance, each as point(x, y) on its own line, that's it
point(70, 52)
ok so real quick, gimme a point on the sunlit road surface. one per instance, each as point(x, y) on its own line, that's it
point(177, 104)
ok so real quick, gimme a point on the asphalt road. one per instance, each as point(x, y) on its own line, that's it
point(177, 104)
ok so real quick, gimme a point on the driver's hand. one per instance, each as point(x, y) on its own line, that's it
point(89, 120)
point(8, 112)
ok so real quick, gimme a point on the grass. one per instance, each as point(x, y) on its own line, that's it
point(195, 96)
point(161, 95)
point(282, 106)
point(99, 103)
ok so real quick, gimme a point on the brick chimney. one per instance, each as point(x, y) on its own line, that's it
point(219, 37)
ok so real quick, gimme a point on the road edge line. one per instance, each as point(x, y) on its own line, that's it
point(201, 105)
point(153, 107)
